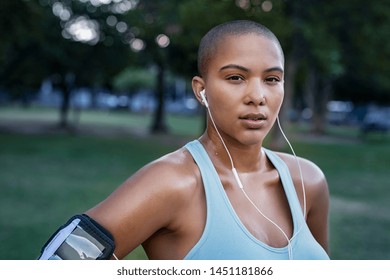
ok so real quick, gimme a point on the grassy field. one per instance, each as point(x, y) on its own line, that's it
point(47, 177)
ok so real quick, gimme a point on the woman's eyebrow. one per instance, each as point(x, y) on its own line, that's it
point(274, 69)
point(242, 68)
point(234, 66)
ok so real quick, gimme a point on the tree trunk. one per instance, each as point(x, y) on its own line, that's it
point(159, 123)
point(322, 98)
point(66, 86)
point(65, 105)
point(318, 91)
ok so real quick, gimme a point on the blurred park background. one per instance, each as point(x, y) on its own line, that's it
point(91, 90)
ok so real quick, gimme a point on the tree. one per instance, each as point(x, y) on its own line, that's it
point(153, 23)
point(133, 79)
point(336, 45)
point(20, 71)
point(332, 48)
point(324, 62)
point(365, 39)
point(82, 49)
point(69, 42)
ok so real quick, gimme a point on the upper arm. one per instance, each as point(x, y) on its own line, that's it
point(143, 204)
point(318, 205)
point(317, 195)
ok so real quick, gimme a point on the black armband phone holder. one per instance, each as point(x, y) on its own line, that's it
point(81, 238)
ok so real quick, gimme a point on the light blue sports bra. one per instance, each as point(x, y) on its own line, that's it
point(225, 237)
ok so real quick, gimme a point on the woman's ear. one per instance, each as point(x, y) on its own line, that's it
point(197, 86)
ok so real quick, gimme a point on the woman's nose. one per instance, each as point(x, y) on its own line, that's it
point(256, 93)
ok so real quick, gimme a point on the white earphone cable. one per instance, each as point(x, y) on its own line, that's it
point(299, 168)
point(237, 178)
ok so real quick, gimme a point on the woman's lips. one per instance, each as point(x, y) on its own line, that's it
point(253, 120)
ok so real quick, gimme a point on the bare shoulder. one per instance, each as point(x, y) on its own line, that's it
point(169, 179)
point(148, 201)
point(312, 174)
point(315, 182)
point(173, 174)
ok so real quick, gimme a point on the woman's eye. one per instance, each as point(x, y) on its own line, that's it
point(272, 80)
point(235, 78)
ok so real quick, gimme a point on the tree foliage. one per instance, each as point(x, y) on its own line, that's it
point(20, 39)
point(132, 79)
point(334, 49)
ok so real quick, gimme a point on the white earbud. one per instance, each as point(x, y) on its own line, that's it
point(204, 100)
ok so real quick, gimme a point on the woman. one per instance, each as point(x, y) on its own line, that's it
point(224, 196)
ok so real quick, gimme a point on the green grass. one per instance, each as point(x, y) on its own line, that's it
point(177, 124)
point(358, 178)
point(46, 178)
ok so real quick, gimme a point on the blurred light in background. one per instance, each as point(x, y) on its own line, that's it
point(82, 29)
point(162, 40)
point(243, 4)
point(266, 6)
point(111, 20)
point(122, 6)
point(117, 6)
point(137, 45)
point(121, 27)
point(61, 11)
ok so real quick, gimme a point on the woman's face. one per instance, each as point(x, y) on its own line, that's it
point(244, 87)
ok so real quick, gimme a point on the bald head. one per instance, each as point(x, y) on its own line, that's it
point(210, 42)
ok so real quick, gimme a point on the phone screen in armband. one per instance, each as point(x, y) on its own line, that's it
point(80, 239)
point(79, 245)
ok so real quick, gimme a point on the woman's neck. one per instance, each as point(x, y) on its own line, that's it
point(246, 158)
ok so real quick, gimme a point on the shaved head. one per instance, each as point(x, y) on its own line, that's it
point(210, 42)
